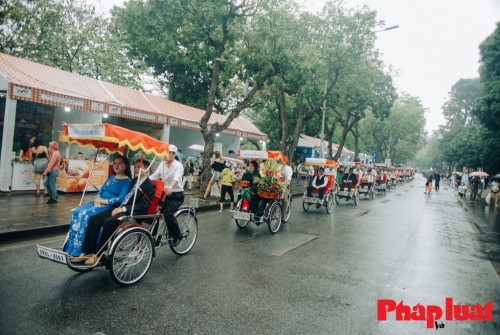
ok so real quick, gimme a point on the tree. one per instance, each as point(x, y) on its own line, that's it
point(461, 101)
point(204, 46)
point(488, 105)
point(68, 35)
point(400, 135)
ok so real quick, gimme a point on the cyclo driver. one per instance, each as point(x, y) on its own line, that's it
point(171, 172)
point(287, 174)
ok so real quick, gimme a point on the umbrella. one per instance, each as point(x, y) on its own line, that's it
point(233, 160)
point(197, 147)
point(479, 174)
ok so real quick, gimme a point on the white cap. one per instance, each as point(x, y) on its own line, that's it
point(172, 148)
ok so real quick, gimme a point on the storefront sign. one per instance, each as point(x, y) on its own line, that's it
point(62, 100)
point(229, 132)
point(257, 137)
point(238, 133)
point(190, 125)
point(253, 154)
point(139, 115)
point(86, 130)
point(245, 135)
point(113, 110)
point(174, 122)
point(23, 178)
point(22, 92)
point(97, 106)
point(162, 119)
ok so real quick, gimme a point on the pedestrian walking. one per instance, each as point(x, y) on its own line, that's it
point(428, 184)
point(52, 171)
point(466, 178)
point(40, 155)
point(437, 179)
point(494, 189)
point(227, 178)
point(480, 188)
point(188, 174)
point(299, 173)
point(461, 191)
point(474, 186)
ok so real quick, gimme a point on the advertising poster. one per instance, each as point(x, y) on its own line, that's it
point(75, 173)
point(23, 177)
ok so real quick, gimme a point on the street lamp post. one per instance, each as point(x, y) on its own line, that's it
point(388, 28)
point(322, 146)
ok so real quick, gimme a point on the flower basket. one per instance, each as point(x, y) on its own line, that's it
point(268, 195)
point(244, 183)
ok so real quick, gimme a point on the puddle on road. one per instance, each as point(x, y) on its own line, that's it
point(362, 213)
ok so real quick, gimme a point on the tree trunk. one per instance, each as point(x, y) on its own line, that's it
point(284, 122)
point(296, 133)
point(206, 174)
point(355, 133)
point(329, 135)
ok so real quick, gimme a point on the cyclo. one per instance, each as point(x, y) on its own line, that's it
point(273, 210)
point(354, 193)
point(369, 191)
point(382, 184)
point(328, 192)
point(130, 250)
point(393, 174)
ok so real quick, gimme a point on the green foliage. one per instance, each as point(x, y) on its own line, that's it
point(488, 105)
point(462, 98)
point(68, 35)
point(400, 135)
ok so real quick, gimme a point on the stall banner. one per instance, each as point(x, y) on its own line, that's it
point(74, 174)
point(23, 177)
point(82, 131)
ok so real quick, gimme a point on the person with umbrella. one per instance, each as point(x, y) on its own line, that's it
point(495, 187)
point(437, 179)
point(428, 183)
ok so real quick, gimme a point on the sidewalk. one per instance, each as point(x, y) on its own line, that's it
point(26, 215)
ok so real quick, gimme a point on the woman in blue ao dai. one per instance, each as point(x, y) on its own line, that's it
point(111, 193)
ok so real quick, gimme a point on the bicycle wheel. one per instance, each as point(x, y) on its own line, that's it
point(240, 223)
point(188, 225)
point(287, 213)
point(356, 199)
point(274, 218)
point(130, 259)
point(305, 206)
point(337, 198)
point(329, 203)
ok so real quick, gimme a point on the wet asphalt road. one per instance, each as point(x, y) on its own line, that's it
point(402, 246)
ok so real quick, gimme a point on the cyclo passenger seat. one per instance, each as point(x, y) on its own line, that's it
point(331, 180)
point(153, 203)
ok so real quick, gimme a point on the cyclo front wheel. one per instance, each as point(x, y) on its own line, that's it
point(287, 213)
point(329, 202)
point(131, 257)
point(188, 225)
point(275, 217)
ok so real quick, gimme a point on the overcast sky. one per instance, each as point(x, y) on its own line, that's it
point(435, 45)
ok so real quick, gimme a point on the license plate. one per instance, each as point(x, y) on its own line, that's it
point(343, 193)
point(311, 200)
point(241, 216)
point(51, 254)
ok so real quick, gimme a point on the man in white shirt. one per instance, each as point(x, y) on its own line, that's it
point(287, 174)
point(171, 171)
point(310, 173)
point(319, 183)
point(299, 173)
point(371, 175)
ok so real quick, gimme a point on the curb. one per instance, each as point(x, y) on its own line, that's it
point(43, 231)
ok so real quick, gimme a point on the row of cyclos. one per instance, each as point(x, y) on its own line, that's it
point(369, 179)
point(129, 252)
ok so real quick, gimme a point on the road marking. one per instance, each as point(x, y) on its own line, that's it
point(294, 245)
point(385, 201)
point(473, 227)
point(362, 213)
point(397, 195)
point(32, 243)
point(496, 268)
